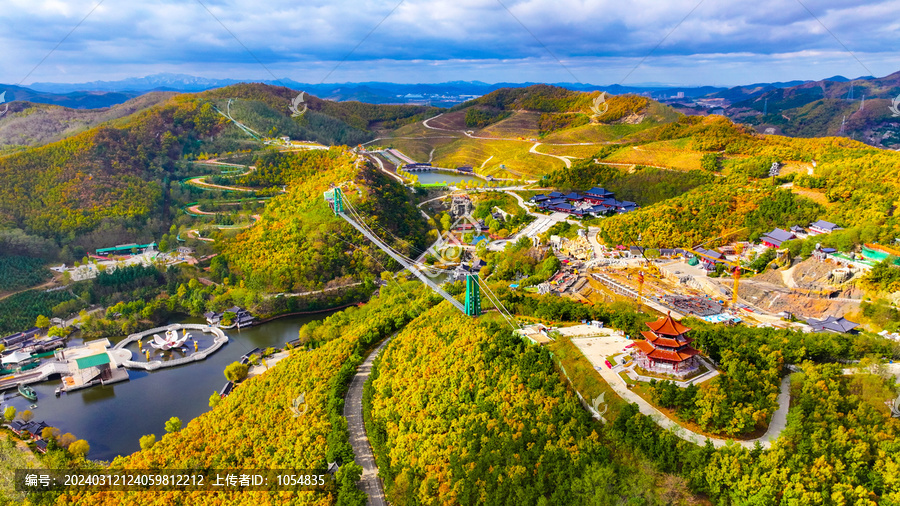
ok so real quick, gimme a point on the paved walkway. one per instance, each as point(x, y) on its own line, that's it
point(370, 482)
point(776, 425)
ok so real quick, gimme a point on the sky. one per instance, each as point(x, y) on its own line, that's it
point(603, 42)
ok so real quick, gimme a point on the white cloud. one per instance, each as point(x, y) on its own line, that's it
point(597, 39)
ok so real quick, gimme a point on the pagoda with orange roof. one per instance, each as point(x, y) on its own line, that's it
point(666, 350)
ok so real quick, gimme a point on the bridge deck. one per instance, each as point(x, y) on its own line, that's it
point(431, 284)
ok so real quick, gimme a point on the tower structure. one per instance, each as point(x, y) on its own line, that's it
point(666, 349)
point(473, 295)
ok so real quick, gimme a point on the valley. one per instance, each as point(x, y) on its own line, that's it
point(480, 252)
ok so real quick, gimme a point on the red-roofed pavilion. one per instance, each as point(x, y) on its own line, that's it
point(666, 350)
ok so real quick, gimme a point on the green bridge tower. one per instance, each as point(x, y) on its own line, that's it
point(336, 199)
point(473, 295)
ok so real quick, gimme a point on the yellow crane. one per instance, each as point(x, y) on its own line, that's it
point(735, 271)
point(735, 267)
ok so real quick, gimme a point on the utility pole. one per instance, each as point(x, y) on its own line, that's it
point(766, 107)
point(863, 103)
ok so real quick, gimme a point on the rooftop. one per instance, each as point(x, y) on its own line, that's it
point(92, 360)
point(832, 324)
point(779, 236)
point(824, 225)
point(668, 326)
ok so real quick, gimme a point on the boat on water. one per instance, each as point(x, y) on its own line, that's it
point(171, 340)
point(27, 392)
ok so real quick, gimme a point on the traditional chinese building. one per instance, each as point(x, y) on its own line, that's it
point(666, 350)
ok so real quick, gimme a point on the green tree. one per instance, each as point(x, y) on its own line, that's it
point(236, 371)
point(214, 399)
point(9, 413)
point(173, 424)
point(57, 332)
point(346, 477)
point(42, 322)
point(148, 441)
point(710, 162)
point(79, 448)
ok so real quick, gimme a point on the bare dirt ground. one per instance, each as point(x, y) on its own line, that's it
point(803, 289)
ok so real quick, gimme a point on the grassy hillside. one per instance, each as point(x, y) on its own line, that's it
point(299, 245)
point(492, 154)
point(505, 124)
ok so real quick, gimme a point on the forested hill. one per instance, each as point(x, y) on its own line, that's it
point(538, 97)
point(562, 108)
point(859, 109)
point(106, 172)
point(463, 411)
point(267, 109)
point(300, 245)
point(34, 124)
point(119, 171)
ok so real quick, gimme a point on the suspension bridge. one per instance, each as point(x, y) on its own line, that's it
point(475, 286)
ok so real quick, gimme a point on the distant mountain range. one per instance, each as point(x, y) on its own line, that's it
point(796, 108)
point(106, 93)
point(858, 108)
point(75, 99)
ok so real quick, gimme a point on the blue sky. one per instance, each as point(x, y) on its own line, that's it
point(599, 42)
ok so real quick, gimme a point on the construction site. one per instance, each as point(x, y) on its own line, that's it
point(685, 283)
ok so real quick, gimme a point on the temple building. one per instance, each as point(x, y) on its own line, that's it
point(666, 350)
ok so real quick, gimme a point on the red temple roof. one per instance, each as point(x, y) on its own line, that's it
point(668, 342)
point(644, 346)
point(665, 341)
point(673, 356)
point(668, 326)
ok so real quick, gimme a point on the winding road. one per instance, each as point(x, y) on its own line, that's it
point(370, 483)
point(565, 159)
point(776, 425)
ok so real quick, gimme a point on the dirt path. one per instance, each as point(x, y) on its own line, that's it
point(565, 159)
point(48, 284)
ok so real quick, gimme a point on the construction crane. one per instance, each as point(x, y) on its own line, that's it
point(735, 267)
point(735, 271)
